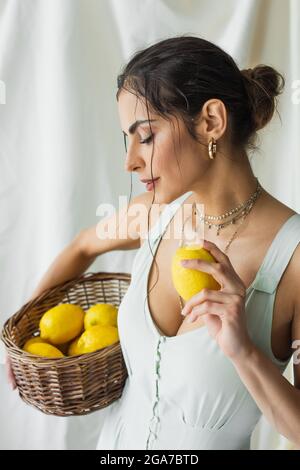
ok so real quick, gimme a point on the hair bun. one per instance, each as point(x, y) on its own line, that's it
point(248, 73)
point(263, 84)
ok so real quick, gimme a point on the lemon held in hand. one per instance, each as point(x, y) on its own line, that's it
point(97, 337)
point(101, 314)
point(62, 323)
point(187, 281)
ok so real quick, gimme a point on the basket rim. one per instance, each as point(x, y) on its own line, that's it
point(41, 361)
point(15, 351)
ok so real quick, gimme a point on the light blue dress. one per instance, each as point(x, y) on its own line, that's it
point(182, 392)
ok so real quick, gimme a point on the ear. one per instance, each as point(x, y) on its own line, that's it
point(212, 120)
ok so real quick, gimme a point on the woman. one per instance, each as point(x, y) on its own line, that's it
point(201, 384)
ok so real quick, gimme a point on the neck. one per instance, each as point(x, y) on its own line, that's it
point(227, 183)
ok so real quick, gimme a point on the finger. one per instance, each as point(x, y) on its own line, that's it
point(226, 277)
point(216, 270)
point(213, 323)
point(204, 295)
point(12, 381)
point(10, 374)
point(223, 259)
point(216, 252)
point(212, 308)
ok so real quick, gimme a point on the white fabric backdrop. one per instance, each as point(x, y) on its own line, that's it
point(61, 148)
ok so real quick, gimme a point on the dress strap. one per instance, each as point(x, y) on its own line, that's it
point(278, 255)
point(158, 229)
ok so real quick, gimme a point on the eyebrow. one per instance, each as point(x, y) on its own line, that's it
point(136, 124)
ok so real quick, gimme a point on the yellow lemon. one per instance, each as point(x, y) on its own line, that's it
point(44, 349)
point(62, 323)
point(187, 281)
point(101, 314)
point(98, 337)
point(35, 339)
point(74, 349)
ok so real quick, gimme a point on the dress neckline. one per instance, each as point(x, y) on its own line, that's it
point(154, 250)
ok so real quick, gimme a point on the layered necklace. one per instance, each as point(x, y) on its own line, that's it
point(230, 217)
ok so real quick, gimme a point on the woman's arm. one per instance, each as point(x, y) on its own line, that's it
point(276, 397)
point(223, 312)
point(73, 260)
point(87, 245)
point(124, 230)
point(70, 262)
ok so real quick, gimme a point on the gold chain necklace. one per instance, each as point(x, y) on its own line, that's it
point(233, 214)
point(246, 208)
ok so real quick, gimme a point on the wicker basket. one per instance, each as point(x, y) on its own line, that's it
point(74, 385)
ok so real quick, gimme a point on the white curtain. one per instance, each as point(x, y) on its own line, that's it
point(61, 147)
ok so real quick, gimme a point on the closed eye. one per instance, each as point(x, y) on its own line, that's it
point(147, 140)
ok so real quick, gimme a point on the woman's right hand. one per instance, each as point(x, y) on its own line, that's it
point(9, 373)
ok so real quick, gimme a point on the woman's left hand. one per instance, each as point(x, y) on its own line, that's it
point(223, 310)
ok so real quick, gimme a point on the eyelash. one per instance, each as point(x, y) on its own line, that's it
point(148, 140)
point(145, 141)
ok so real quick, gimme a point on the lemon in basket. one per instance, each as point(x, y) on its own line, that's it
point(62, 323)
point(187, 281)
point(74, 349)
point(44, 349)
point(34, 339)
point(97, 337)
point(101, 314)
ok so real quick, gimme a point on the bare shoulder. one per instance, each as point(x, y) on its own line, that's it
point(272, 214)
point(277, 207)
point(123, 230)
point(293, 274)
point(280, 212)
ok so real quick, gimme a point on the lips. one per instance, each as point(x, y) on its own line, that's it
point(150, 185)
point(150, 180)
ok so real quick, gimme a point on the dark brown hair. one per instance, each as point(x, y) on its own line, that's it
point(176, 76)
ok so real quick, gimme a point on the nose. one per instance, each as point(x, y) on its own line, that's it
point(133, 161)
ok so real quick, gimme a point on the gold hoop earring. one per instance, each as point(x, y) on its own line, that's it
point(212, 148)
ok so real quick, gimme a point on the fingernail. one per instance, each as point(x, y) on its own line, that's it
point(190, 319)
point(184, 262)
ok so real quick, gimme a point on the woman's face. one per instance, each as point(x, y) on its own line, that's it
point(177, 164)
